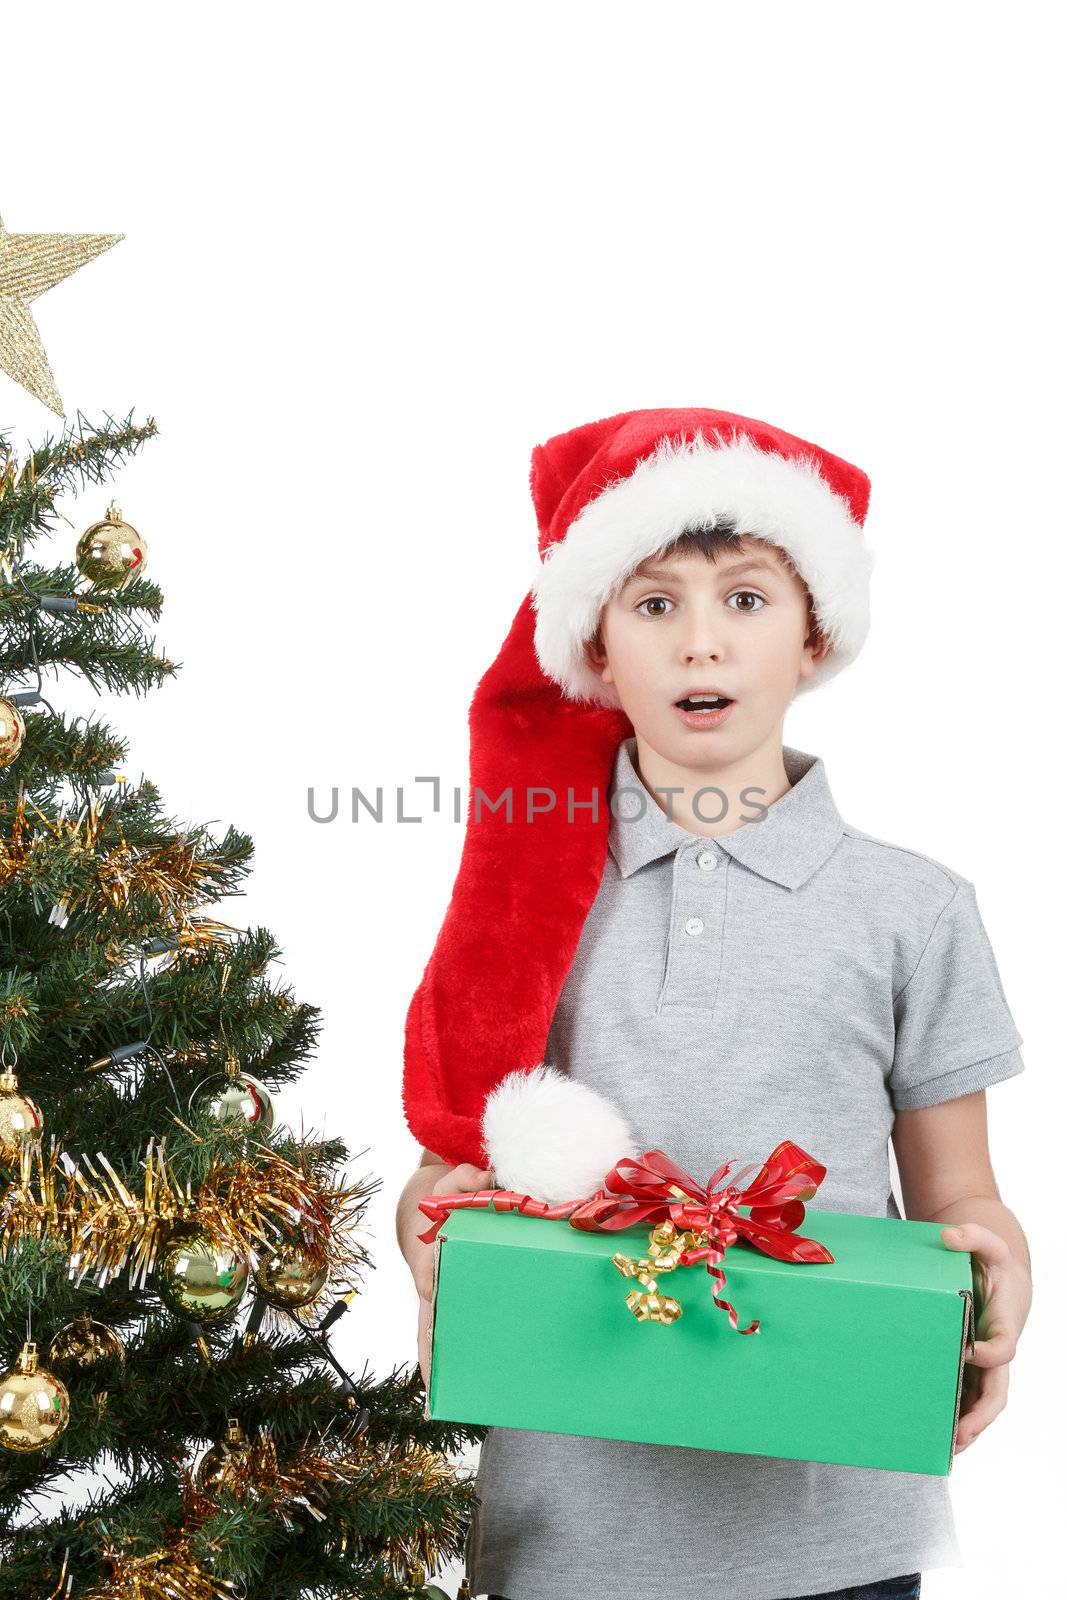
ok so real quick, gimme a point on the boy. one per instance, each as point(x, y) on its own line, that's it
point(724, 959)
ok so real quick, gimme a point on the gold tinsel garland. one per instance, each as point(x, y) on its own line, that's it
point(178, 1569)
point(170, 1573)
point(250, 1200)
point(174, 872)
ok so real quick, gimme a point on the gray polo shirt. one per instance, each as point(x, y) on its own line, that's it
point(793, 979)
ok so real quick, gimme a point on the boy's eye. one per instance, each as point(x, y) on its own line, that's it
point(747, 594)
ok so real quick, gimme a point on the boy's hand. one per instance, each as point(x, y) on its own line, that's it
point(1003, 1292)
point(465, 1179)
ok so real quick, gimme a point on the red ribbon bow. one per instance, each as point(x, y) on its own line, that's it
point(652, 1188)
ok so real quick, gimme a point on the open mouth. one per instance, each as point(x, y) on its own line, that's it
point(704, 702)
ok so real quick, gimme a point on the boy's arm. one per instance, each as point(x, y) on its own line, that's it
point(433, 1175)
point(428, 1159)
point(410, 1221)
point(946, 1176)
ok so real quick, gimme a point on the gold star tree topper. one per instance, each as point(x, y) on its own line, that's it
point(30, 263)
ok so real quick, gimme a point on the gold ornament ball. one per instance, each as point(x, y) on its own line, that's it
point(20, 1119)
point(34, 1405)
point(288, 1277)
point(12, 732)
point(218, 1467)
point(235, 1099)
point(82, 1346)
point(200, 1278)
point(110, 553)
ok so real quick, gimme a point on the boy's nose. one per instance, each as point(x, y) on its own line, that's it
point(702, 643)
point(701, 639)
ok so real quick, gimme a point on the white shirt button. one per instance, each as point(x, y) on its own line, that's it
point(708, 860)
point(694, 926)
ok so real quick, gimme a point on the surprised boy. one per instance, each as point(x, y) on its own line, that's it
point(721, 956)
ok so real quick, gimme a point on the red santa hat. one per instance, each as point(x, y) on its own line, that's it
point(545, 730)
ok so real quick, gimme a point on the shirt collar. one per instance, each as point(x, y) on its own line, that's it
point(786, 843)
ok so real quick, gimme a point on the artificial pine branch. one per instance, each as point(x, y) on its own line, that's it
point(80, 455)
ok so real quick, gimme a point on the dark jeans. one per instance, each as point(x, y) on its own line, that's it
point(906, 1588)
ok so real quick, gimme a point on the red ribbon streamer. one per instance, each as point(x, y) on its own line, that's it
point(651, 1188)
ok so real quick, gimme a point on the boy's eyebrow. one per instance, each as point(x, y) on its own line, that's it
point(743, 564)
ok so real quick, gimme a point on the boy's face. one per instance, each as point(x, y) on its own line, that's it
point(740, 625)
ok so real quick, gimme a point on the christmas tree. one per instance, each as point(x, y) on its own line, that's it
point(172, 1258)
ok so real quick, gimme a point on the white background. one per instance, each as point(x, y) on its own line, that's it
point(373, 256)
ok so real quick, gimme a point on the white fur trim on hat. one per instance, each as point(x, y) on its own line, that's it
point(551, 1137)
point(688, 484)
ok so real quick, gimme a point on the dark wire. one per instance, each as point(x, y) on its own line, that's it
point(33, 642)
point(166, 1072)
point(323, 1346)
point(148, 1043)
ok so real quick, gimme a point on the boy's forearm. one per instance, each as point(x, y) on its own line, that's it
point(419, 1185)
point(992, 1214)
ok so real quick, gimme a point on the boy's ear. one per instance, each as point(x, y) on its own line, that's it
point(819, 645)
point(816, 640)
point(594, 653)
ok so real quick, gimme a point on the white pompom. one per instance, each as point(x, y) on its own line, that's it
point(550, 1137)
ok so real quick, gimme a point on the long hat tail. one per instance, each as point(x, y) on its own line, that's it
point(532, 862)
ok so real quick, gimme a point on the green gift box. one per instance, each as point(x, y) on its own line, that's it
point(858, 1361)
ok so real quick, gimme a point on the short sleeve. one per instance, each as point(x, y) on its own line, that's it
point(954, 1031)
